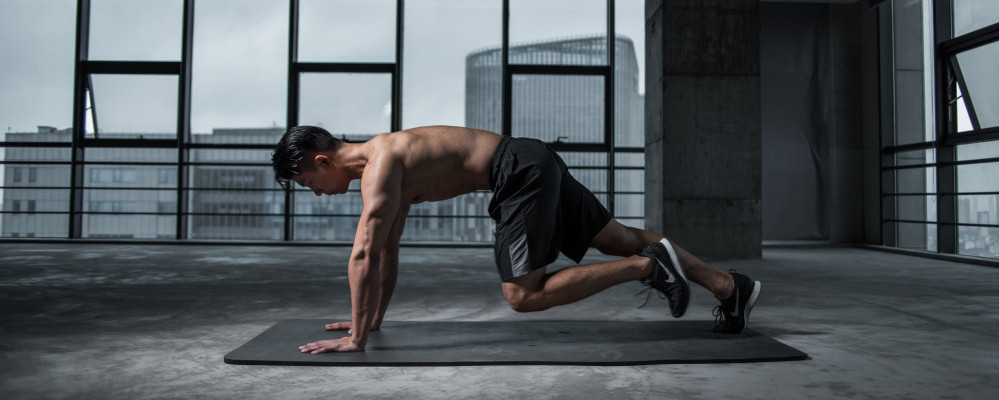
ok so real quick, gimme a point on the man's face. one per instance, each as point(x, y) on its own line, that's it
point(323, 178)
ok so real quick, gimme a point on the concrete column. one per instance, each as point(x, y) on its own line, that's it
point(702, 136)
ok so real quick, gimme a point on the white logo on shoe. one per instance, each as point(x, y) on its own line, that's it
point(671, 278)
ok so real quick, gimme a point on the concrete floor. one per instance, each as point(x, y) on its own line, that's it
point(154, 321)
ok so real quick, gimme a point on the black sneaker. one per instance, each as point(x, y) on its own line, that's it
point(732, 316)
point(667, 276)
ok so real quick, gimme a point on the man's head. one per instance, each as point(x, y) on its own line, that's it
point(296, 151)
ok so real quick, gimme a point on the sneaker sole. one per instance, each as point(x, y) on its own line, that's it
point(757, 286)
point(679, 270)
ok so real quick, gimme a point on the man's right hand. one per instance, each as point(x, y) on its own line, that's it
point(347, 326)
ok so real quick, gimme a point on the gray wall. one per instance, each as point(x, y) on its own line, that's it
point(702, 132)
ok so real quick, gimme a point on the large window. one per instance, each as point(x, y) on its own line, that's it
point(154, 119)
point(940, 131)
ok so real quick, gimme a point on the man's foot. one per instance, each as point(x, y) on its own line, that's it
point(667, 276)
point(732, 316)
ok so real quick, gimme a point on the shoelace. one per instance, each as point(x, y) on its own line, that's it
point(648, 293)
point(719, 315)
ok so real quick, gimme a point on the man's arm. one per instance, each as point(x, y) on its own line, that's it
point(381, 189)
point(388, 272)
point(389, 265)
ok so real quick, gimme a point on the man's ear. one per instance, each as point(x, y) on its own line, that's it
point(322, 160)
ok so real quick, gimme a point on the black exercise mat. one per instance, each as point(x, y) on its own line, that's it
point(517, 343)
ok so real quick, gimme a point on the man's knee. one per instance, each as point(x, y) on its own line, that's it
point(523, 293)
point(524, 303)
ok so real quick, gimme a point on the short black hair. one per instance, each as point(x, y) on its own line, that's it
point(297, 144)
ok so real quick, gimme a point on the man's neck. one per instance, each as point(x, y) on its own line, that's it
point(353, 157)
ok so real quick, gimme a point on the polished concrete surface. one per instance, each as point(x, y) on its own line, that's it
point(154, 321)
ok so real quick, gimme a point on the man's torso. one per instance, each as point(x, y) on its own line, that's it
point(440, 162)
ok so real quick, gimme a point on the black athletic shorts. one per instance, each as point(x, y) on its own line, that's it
point(539, 208)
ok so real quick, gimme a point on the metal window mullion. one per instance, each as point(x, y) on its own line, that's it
point(294, 79)
point(184, 120)
point(946, 155)
point(609, 105)
point(886, 84)
point(507, 77)
point(396, 114)
point(79, 119)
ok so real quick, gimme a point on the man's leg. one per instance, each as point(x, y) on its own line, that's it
point(539, 290)
point(621, 240)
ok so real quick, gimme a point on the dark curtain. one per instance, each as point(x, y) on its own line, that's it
point(794, 51)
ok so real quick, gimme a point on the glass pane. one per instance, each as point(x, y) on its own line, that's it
point(629, 205)
point(132, 30)
point(562, 32)
point(357, 106)
point(325, 228)
point(978, 209)
point(970, 15)
point(241, 202)
point(126, 213)
point(461, 219)
point(917, 236)
point(242, 136)
point(915, 157)
point(34, 175)
point(909, 70)
point(629, 180)
point(131, 154)
point(963, 118)
point(101, 200)
point(110, 226)
point(915, 180)
point(978, 241)
point(35, 213)
point(483, 90)
point(977, 151)
point(239, 66)
point(437, 78)
point(978, 178)
point(221, 202)
point(909, 113)
point(233, 177)
point(558, 108)
point(430, 228)
point(590, 169)
point(130, 106)
point(236, 227)
point(33, 154)
point(242, 156)
point(622, 159)
point(134, 176)
point(347, 30)
point(629, 74)
point(916, 208)
point(307, 203)
point(980, 69)
point(37, 43)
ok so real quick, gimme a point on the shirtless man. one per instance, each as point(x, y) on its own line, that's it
point(538, 207)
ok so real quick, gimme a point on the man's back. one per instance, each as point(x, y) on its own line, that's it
point(439, 162)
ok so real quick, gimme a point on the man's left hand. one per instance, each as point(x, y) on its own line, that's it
point(341, 345)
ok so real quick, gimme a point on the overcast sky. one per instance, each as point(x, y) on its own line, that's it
point(240, 57)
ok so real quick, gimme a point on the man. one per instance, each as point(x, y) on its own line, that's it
point(539, 209)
